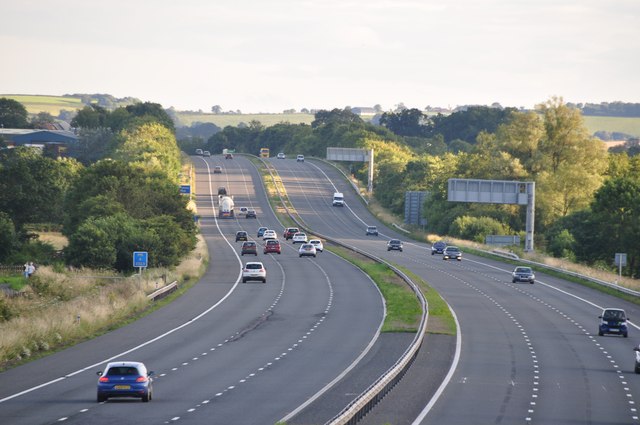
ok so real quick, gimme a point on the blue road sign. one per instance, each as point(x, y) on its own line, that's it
point(185, 189)
point(140, 258)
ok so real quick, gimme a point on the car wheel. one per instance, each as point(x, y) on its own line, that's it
point(101, 398)
point(433, 253)
point(244, 280)
point(300, 255)
point(242, 254)
point(315, 257)
point(278, 252)
point(513, 281)
point(626, 335)
point(146, 398)
point(388, 249)
point(600, 333)
point(532, 282)
point(637, 369)
point(264, 280)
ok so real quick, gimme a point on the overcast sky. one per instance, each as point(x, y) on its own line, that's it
point(271, 55)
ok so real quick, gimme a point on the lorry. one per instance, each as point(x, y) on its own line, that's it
point(225, 206)
point(338, 199)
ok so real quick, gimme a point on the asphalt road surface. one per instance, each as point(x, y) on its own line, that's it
point(528, 353)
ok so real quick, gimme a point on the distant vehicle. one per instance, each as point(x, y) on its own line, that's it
point(372, 231)
point(269, 234)
point(452, 253)
point(523, 274)
point(281, 155)
point(300, 158)
point(299, 238)
point(264, 152)
point(125, 379)
point(272, 246)
point(438, 247)
point(228, 156)
point(306, 250)
point(254, 271)
point(249, 247)
point(217, 169)
point(289, 232)
point(338, 199)
point(206, 153)
point(222, 190)
point(261, 231)
point(251, 214)
point(241, 235)
point(225, 209)
point(242, 210)
point(613, 321)
point(318, 244)
point(198, 151)
point(394, 244)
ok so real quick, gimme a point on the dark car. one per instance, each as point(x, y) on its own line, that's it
point(217, 169)
point(523, 274)
point(438, 247)
point(289, 232)
point(125, 379)
point(249, 247)
point(372, 230)
point(394, 244)
point(452, 253)
point(272, 246)
point(251, 214)
point(241, 235)
point(222, 191)
point(228, 156)
point(613, 321)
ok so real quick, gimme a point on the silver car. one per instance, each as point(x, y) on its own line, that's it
point(254, 271)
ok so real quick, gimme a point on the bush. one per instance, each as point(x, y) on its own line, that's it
point(477, 228)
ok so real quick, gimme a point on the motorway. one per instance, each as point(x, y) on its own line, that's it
point(233, 353)
point(528, 353)
point(225, 352)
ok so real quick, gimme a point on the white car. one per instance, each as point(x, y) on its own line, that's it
point(254, 271)
point(243, 210)
point(306, 249)
point(318, 244)
point(299, 238)
point(269, 234)
point(300, 158)
point(281, 155)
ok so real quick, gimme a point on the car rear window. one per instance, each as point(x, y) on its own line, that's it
point(273, 243)
point(122, 370)
point(255, 266)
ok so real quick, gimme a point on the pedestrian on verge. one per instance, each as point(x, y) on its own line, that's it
point(31, 269)
point(25, 270)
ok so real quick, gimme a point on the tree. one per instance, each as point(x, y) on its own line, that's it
point(13, 114)
point(151, 112)
point(92, 116)
point(7, 236)
point(42, 120)
point(408, 122)
point(216, 109)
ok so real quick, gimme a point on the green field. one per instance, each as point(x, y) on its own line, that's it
point(223, 120)
point(625, 125)
point(50, 104)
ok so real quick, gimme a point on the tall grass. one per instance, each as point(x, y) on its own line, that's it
point(59, 309)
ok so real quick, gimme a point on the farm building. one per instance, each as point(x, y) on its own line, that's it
point(50, 140)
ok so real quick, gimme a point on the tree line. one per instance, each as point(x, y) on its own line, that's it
point(587, 199)
point(118, 194)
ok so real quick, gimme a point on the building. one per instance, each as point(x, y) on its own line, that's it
point(55, 141)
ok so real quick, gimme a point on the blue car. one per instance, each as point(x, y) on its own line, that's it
point(261, 231)
point(613, 321)
point(125, 379)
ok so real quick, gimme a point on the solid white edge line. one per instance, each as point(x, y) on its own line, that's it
point(447, 379)
point(158, 337)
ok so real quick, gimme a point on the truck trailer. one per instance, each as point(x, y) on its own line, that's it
point(225, 207)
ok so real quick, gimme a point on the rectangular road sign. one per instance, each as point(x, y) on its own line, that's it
point(140, 258)
point(185, 189)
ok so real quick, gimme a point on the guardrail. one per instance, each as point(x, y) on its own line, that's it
point(364, 402)
point(164, 291)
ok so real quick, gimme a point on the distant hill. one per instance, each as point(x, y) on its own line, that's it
point(222, 120)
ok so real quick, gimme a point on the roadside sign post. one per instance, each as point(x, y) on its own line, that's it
point(140, 260)
point(620, 260)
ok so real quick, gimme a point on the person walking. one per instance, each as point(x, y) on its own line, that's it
point(25, 270)
point(31, 269)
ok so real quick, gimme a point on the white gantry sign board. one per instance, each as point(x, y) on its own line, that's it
point(488, 191)
point(347, 154)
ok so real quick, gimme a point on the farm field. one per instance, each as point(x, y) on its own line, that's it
point(625, 125)
point(51, 104)
point(223, 120)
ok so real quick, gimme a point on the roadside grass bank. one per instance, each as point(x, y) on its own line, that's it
point(57, 308)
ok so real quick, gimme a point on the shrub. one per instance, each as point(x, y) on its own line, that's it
point(477, 228)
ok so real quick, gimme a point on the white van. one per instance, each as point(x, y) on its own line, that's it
point(338, 199)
